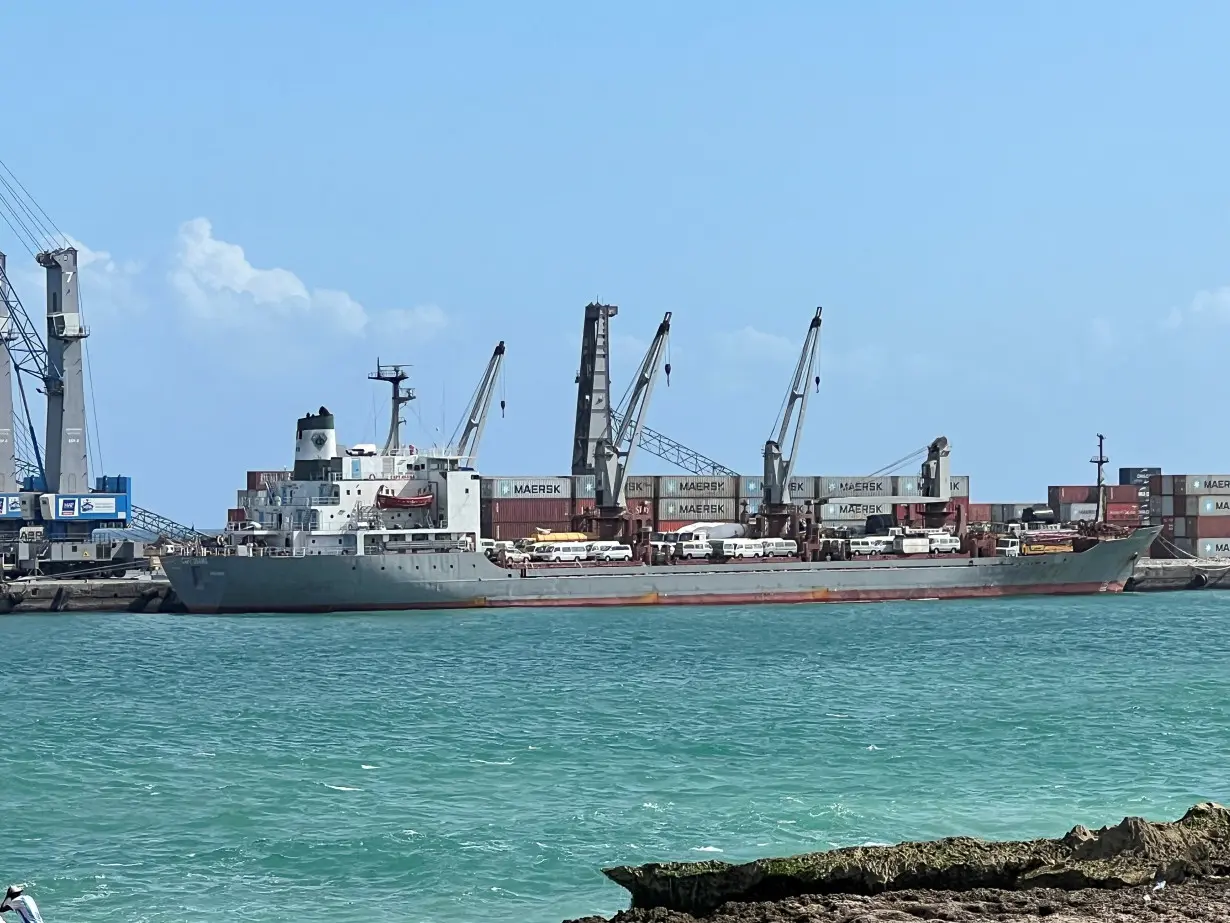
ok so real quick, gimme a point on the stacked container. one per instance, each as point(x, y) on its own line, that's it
point(695, 498)
point(1079, 503)
point(1195, 510)
point(513, 508)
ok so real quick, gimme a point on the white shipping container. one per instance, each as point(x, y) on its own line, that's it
point(801, 488)
point(1078, 512)
point(906, 486)
point(640, 486)
point(753, 506)
point(958, 485)
point(695, 486)
point(1208, 506)
point(853, 512)
point(526, 488)
point(840, 485)
point(698, 509)
point(1212, 548)
point(1208, 485)
point(585, 485)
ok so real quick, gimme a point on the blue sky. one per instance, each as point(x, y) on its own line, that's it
point(1015, 215)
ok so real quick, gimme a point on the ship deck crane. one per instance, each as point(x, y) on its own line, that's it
point(677, 453)
point(613, 457)
point(469, 432)
point(779, 455)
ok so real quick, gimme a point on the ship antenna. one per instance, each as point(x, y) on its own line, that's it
point(1100, 460)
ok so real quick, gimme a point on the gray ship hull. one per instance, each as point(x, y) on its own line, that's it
point(347, 583)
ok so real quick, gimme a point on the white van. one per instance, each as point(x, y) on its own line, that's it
point(779, 547)
point(567, 552)
point(944, 542)
point(608, 551)
point(736, 547)
point(695, 548)
point(869, 544)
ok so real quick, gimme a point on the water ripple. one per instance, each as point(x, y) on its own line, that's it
point(478, 766)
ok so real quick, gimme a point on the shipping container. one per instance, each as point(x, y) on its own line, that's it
point(1123, 513)
point(1183, 544)
point(526, 488)
point(698, 509)
point(526, 510)
point(259, 479)
point(583, 505)
point(640, 487)
point(511, 531)
point(980, 512)
point(696, 487)
point(238, 515)
point(1078, 512)
point(958, 485)
point(753, 506)
point(1143, 492)
point(905, 486)
point(1137, 476)
point(1167, 525)
point(801, 488)
point(585, 485)
point(1122, 493)
point(1205, 485)
point(1180, 527)
point(834, 485)
point(1161, 485)
point(1058, 496)
point(1011, 512)
point(1208, 526)
point(1206, 506)
point(1211, 547)
point(854, 512)
point(673, 525)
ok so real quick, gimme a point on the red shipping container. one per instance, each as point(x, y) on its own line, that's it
point(1056, 496)
point(259, 479)
point(237, 515)
point(1168, 526)
point(511, 531)
point(1122, 493)
point(528, 509)
point(581, 506)
point(980, 512)
point(1208, 527)
point(1125, 513)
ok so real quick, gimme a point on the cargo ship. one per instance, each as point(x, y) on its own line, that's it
point(398, 529)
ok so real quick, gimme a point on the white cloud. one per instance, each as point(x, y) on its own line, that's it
point(216, 282)
point(1212, 304)
point(421, 322)
point(751, 343)
point(1215, 303)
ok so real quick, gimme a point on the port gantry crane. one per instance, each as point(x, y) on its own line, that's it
point(613, 456)
point(469, 432)
point(60, 463)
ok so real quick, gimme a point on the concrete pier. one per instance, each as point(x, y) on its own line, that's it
point(115, 594)
point(1156, 574)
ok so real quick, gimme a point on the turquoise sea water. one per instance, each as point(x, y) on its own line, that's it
point(485, 766)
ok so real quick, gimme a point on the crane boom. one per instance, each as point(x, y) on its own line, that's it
point(614, 457)
point(471, 426)
point(779, 465)
point(678, 454)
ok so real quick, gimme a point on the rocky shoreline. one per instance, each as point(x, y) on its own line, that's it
point(1133, 870)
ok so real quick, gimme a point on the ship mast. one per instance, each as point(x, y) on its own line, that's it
point(394, 375)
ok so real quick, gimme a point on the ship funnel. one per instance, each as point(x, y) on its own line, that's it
point(315, 445)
